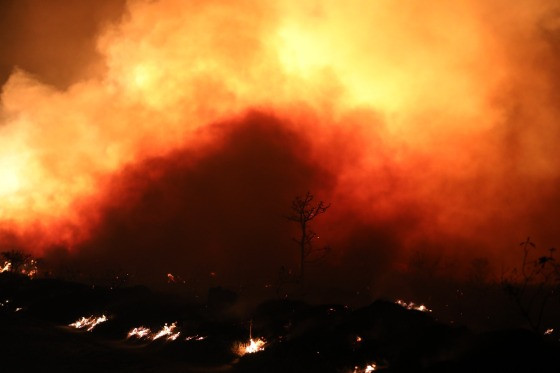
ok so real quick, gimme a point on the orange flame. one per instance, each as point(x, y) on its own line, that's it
point(167, 331)
point(413, 306)
point(251, 347)
point(139, 332)
point(6, 267)
point(89, 322)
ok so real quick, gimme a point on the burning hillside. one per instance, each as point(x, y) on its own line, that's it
point(275, 336)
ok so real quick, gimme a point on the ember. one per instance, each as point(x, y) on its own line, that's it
point(89, 322)
point(369, 368)
point(5, 267)
point(195, 338)
point(168, 331)
point(413, 306)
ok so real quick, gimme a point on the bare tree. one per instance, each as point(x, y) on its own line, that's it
point(303, 212)
point(532, 285)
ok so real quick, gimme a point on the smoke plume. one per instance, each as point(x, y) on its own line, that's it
point(172, 136)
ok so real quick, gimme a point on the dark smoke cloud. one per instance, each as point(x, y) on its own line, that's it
point(54, 40)
point(444, 185)
point(223, 209)
point(219, 212)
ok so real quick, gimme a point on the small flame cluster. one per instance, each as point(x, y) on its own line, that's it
point(89, 323)
point(254, 345)
point(367, 369)
point(168, 331)
point(29, 269)
point(195, 337)
point(413, 306)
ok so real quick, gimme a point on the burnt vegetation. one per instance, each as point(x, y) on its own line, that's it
point(453, 333)
point(534, 284)
point(304, 211)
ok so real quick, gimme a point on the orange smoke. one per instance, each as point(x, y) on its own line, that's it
point(447, 109)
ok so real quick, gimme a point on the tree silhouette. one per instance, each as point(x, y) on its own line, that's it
point(533, 284)
point(303, 212)
point(17, 258)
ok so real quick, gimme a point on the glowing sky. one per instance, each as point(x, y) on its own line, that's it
point(429, 126)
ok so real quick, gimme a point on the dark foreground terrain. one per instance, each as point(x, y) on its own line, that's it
point(35, 336)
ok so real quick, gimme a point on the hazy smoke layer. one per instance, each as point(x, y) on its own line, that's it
point(179, 142)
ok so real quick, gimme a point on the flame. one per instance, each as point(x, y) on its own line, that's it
point(139, 332)
point(6, 267)
point(29, 268)
point(413, 306)
point(89, 322)
point(368, 368)
point(251, 347)
point(195, 338)
point(168, 331)
point(549, 331)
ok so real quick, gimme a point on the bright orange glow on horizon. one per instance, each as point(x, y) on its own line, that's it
point(430, 95)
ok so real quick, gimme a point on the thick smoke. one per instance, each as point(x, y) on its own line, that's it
point(54, 40)
point(178, 146)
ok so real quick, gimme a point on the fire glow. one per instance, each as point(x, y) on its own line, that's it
point(354, 80)
point(251, 347)
point(89, 323)
point(6, 267)
point(167, 331)
point(140, 333)
point(368, 368)
point(170, 333)
point(195, 337)
point(413, 306)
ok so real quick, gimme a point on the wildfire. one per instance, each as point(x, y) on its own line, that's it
point(6, 267)
point(368, 368)
point(195, 338)
point(253, 346)
point(140, 332)
point(549, 331)
point(413, 306)
point(168, 331)
point(28, 269)
point(89, 322)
